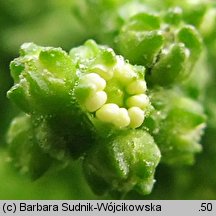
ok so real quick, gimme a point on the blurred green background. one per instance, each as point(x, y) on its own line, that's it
point(68, 23)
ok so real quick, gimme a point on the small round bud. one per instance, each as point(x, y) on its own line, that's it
point(95, 101)
point(122, 119)
point(108, 112)
point(136, 87)
point(136, 117)
point(140, 100)
point(95, 79)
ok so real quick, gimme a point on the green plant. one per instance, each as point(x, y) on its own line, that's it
point(118, 110)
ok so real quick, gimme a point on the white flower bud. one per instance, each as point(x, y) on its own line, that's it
point(95, 79)
point(122, 119)
point(136, 87)
point(95, 101)
point(108, 112)
point(136, 117)
point(140, 100)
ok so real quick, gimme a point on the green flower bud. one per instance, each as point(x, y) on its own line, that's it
point(177, 126)
point(25, 153)
point(43, 88)
point(140, 47)
point(171, 65)
point(122, 163)
point(107, 86)
point(43, 79)
point(141, 39)
point(166, 46)
point(70, 107)
point(192, 40)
